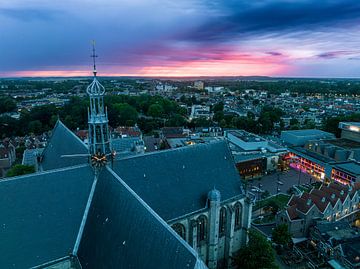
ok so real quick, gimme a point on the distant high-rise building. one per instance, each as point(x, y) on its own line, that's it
point(199, 85)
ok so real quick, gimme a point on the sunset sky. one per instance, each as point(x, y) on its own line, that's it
point(299, 38)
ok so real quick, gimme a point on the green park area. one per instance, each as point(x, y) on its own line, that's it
point(279, 201)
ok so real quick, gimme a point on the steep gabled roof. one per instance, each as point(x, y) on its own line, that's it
point(292, 212)
point(122, 231)
point(40, 215)
point(301, 203)
point(63, 142)
point(320, 199)
point(176, 182)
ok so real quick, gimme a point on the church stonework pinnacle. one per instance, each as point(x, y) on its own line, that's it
point(99, 136)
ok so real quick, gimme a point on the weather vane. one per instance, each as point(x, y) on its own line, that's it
point(93, 55)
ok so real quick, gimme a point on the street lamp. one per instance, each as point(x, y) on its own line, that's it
point(259, 197)
point(278, 183)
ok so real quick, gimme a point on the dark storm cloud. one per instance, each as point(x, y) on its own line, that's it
point(328, 55)
point(274, 53)
point(335, 54)
point(239, 20)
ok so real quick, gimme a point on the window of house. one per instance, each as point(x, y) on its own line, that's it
point(237, 216)
point(222, 221)
point(180, 230)
point(201, 229)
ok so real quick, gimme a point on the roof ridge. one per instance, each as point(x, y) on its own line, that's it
point(44, 172)
point(174, 149)
point(85, 216)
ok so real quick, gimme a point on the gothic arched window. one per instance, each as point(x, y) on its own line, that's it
point(237, 209)
point(201, 229)
point(180, 230)
point(222, 221)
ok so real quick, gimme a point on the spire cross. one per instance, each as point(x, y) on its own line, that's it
point(94, 56)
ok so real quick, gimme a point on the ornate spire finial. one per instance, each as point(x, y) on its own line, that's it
point(93, 55)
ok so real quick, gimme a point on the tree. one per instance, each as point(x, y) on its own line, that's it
point(250, 115)
point(257, 254)
point(35, 127)
point(294, 121)
point(218, 116)
point(176, 120)
point(219, 107)
point(273, 205)
point(156, 111)
point(19, 169)
point(281, 235)
point(309, 124)
point(7, 104)
point(125, 114)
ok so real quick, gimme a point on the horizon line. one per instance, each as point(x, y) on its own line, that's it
point(179, 77)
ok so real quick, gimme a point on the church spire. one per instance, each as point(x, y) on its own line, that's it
point(99, 136)
point(94, 56)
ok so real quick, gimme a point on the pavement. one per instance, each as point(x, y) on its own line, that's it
point(288, 178)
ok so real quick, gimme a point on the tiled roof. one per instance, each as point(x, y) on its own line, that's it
point(300, 203)
point(292, 212)
point(320, 199)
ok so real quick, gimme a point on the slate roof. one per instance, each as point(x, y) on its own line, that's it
point(122, 231)
point(63, 142)
point(175, 182)
point(40, 215)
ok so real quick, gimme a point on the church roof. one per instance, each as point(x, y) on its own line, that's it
point(40, 215)
point(44, 216)
point(63, 142)
point(122, 231)
point(176, 182)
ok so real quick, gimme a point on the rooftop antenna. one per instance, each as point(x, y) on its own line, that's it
point(94, 56)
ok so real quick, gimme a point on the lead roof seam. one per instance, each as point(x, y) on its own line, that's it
point(46, 264)
point(45, 172)
point(84, 218)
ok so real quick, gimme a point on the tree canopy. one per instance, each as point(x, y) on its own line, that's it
point(20, 169)
point(257, 254)
point(281, 235)
point(7, 104)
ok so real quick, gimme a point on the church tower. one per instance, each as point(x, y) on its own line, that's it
point(99, 136)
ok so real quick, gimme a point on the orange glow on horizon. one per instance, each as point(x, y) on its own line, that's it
point(225, 67)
